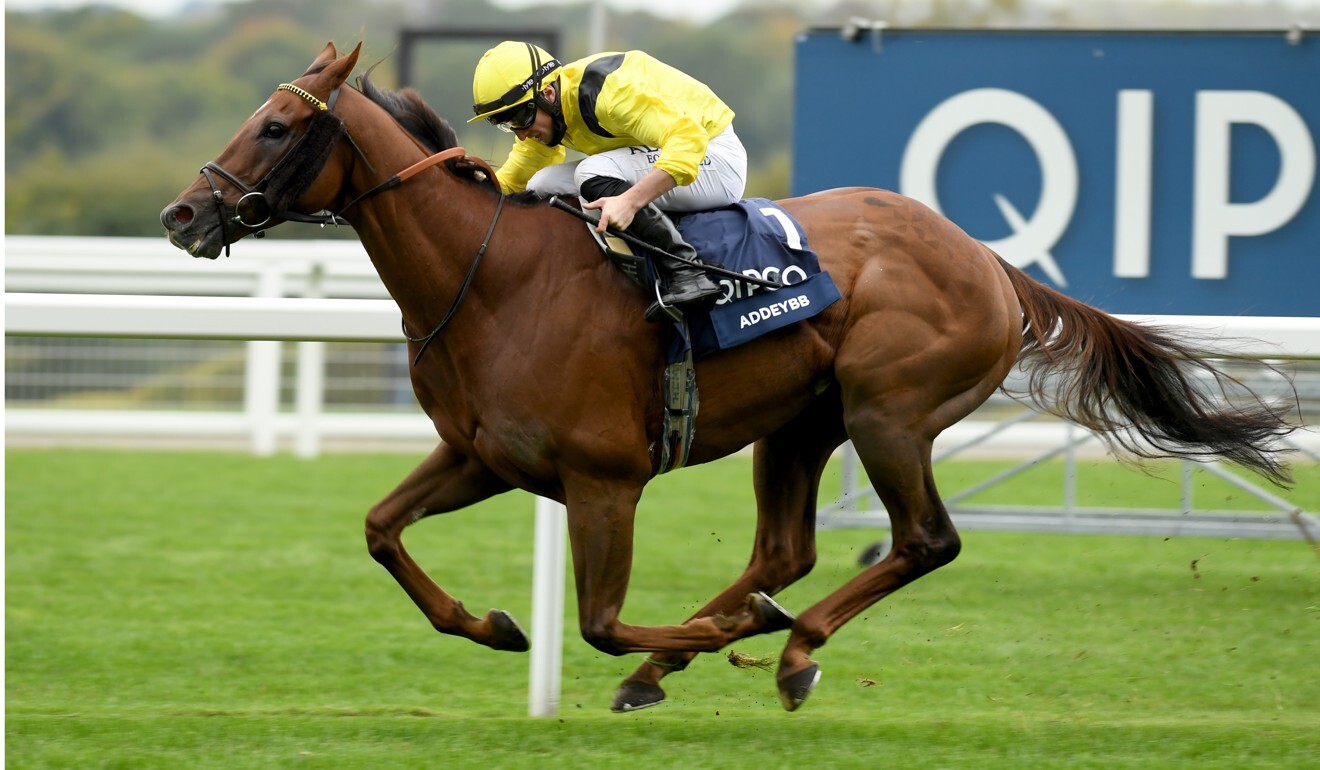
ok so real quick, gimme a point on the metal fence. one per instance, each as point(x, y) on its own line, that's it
point(1039, 439)
point(191, 375)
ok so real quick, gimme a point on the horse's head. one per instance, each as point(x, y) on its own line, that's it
point(274, 169)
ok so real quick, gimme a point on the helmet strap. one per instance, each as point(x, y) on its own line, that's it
point(556, 112)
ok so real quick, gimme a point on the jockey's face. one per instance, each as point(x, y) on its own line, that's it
point(543, 128)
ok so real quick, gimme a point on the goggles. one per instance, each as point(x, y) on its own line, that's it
point(516, 118)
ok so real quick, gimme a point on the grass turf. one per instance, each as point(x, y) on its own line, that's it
point(210, 610)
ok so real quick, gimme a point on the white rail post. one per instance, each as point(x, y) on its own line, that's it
point(262, 397)
point(309, 396)
point(547, 608)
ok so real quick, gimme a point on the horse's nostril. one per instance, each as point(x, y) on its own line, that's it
point(176, 216)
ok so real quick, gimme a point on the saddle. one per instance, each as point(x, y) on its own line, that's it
point(754, 250)
point(759, 256)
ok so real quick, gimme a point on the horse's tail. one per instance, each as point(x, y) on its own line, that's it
point(1128, 382)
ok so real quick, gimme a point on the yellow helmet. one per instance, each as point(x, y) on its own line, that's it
point(508, 75)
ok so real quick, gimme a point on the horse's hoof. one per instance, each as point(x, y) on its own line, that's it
point(794, 690)
point(506, 634)
point(636, 695)
point(773, 616)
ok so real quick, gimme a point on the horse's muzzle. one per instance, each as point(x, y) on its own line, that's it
point(187, 231)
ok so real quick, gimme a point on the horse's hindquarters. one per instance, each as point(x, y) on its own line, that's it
point(932, 325)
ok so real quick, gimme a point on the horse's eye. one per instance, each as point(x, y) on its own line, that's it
point(274, 131)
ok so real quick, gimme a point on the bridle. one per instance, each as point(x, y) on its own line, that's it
point(292, 174)
point(254, 209)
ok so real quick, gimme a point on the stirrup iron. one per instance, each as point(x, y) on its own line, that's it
point(659, 308)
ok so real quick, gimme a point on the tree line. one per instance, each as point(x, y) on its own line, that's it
point(109, 114)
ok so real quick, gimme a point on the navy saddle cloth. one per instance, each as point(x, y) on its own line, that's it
point(758, 238)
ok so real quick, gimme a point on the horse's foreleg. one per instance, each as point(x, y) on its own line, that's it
point(924, 539)
point(445, 481)
point(787, 468)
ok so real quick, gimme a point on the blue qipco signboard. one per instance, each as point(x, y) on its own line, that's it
point(1142, 172)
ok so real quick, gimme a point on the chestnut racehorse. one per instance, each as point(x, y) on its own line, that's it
point(534, 362)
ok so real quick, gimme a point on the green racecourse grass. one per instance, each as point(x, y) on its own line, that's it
point(211, 610)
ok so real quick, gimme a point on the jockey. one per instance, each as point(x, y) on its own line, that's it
point(655, 140)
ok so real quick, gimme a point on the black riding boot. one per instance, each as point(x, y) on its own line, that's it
point(685, 282)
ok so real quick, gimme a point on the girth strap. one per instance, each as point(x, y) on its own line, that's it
point(678, 425)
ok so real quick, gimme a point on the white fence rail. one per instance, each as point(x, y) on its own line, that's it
point(312, 322)
point(258, 268)
point(313, 292)
point(97, 287)
point(265, 320)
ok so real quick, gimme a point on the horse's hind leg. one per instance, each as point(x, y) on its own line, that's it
point(897, 461)
point(445, 481)
point(787, 469)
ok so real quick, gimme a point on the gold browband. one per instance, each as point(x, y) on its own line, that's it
point(312, 100)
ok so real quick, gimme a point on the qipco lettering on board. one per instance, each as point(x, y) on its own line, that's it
point(786, 276)
point(1215, 217)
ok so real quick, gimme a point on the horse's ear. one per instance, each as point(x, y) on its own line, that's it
point(338, 70)
point(327, 55)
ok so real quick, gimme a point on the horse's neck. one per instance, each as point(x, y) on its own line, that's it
point(421, 235)
point(420, 246)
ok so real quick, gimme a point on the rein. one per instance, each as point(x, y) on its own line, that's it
point(403, 176)
point(462, 289)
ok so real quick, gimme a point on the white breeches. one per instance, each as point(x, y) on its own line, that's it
point(721, 177)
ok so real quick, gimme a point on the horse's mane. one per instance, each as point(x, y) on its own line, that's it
point(434, 132)
point(415, 115)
